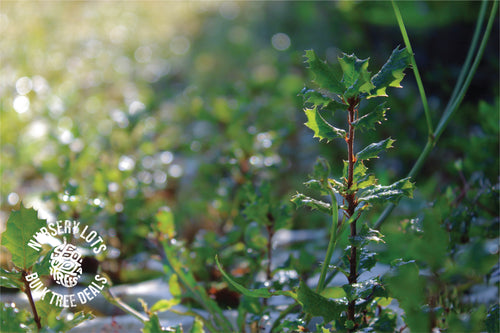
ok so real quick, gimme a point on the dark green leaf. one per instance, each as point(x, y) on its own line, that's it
point(356, 77)
point(324, 76)
point(261, 292)
point(301, 200)
point(391, 73)
point(369, 120)
point(372, 150)
point(21, 226)
point(322, 100)
point(321, 128)
point(319, 306)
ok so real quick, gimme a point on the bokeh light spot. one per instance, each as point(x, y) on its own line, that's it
point(281, 41)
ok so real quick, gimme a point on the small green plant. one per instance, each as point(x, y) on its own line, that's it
point(27, 263)
point(354, 193)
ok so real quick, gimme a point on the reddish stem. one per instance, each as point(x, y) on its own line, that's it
point(351, 202)
point(27, 291)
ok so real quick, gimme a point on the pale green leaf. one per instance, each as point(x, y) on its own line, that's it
point(164, 305)
point(391, 74)
point(322, 129)
point(372, 150)
point(21, 226)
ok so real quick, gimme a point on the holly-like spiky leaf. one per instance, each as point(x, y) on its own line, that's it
point(372, 150)
point(359, 171)
point(319, 306)
point(392, 193)
point(21, 226)
point(322, 99)
point(369, 120)
point(301, 200)
point(356, 77)
point(324, 75)
point(391, 74)
point(322, 129)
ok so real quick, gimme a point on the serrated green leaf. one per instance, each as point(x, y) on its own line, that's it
point(197, 326)
point(164, 305)
point(316, 98)
point(324, 75)
point(301, 200)
point(392, 193)
point(369, 120)
point(359, 171)
point(372, 150)
point(391, 73)
point(10, 279)
point(356, 77)
point(321, 128)
point(364, 182)
point(21, 226)
point(261, 292)
point(319, 306)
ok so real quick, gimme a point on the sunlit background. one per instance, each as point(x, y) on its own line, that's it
point(113, 110)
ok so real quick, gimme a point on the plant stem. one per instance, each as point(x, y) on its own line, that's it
point(331, 244)
point(455, 100)
point(351, 201)
point(27, 291)
point(420, 85)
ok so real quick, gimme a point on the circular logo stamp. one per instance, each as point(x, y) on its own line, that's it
point(66, 263)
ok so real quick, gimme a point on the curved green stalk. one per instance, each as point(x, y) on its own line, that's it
point(331, 244)
point(458, 95)
point(470, 53)
point(414, 66)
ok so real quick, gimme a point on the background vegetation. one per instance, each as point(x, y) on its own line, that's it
point(113, 111)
